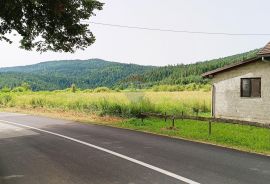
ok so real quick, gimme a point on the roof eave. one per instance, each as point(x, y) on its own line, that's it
point(212, 73)
point(264, 55)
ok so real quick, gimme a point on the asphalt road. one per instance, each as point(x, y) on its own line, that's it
point(38, 150)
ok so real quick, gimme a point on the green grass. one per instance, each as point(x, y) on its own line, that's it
point(129, 104)
point(243, 137)
point(124, 104)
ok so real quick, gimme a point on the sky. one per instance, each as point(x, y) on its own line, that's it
point(163, 48)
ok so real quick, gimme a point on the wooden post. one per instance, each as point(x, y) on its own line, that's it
point(210, 128)
point(165, 117)
point(173, 121)
point(182, 115)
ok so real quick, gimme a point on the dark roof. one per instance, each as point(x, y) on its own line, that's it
point(265, 51)
point(231, 66)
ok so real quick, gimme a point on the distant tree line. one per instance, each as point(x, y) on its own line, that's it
point(183, 74)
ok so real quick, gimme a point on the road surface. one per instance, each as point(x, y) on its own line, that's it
point(39, 150)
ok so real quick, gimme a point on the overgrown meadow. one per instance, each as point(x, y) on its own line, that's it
point(104, 102)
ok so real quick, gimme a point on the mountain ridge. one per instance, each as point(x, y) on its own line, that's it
point(91, 73)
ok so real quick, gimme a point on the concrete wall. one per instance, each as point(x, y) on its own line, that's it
point(227, 101)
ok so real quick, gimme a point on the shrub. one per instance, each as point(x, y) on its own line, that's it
point(140, 105)
point(191, 87)
point(37, 102)
point(101, 89)
point(73, 88)
point(207, 88)
point(5, 99)
point(188, 87)
point(5, 89)
point(88, 91)
point(18, 89)
point(26, 86)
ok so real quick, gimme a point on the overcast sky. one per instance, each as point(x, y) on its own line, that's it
point(163, 48)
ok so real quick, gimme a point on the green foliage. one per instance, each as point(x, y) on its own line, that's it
point(37, 102)
point(101, 89)
point(188, 87)
point(26, 86)
point(88, 91)
point(93, 73)
point(48, 25)
point(167, 88)
point(103, 102)
point(5, 99)
point(23, 88)
point(73, 88)
point(57, 75)
point(18, 89)
point(5, 89)
point(185, 74)
point(237, 136)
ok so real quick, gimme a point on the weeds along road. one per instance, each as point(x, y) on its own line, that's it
point(38, 150)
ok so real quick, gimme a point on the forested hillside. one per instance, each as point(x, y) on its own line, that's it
point(185, 74)
point(95, 72)
point(62, 74)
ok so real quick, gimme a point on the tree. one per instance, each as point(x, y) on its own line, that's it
point(73, 88)
point(26, 86)
point(48, 24)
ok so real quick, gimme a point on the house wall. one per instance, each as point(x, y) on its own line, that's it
point(228, 103)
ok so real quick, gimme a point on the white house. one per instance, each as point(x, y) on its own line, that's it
point(241, 91)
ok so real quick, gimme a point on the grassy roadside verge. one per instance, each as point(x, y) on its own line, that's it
point(240, 137)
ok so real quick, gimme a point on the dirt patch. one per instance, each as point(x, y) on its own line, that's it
point(68, 115)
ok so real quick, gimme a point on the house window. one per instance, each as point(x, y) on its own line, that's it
point(251, 87)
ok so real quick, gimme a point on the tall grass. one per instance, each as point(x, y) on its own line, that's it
point(126, 104)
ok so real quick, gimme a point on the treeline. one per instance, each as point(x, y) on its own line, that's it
point(184, 74)
point(25, 87)
point(59, 75)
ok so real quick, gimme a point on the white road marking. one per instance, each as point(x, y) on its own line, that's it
point(12, 176)
point(168, 173)
point(10, 114)
point(11, 131)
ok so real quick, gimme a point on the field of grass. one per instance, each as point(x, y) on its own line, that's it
point(124, 104)
point(120, 109)
point(241, 137)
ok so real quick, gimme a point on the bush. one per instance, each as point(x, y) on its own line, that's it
point(191, 87)
point(5, 89)
point(207, 88)
point(5, 99)
point(188, 87)
point(88, 91)
point(26, 86)
point(37, 102)
point(73, 88)
point(101, 89)
point(110, 108)
point(18, 89)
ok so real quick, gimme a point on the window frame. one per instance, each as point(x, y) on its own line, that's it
point(250, 78)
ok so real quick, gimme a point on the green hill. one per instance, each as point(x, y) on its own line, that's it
point(184, 74)
point(61, 74)
point(96, 72)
